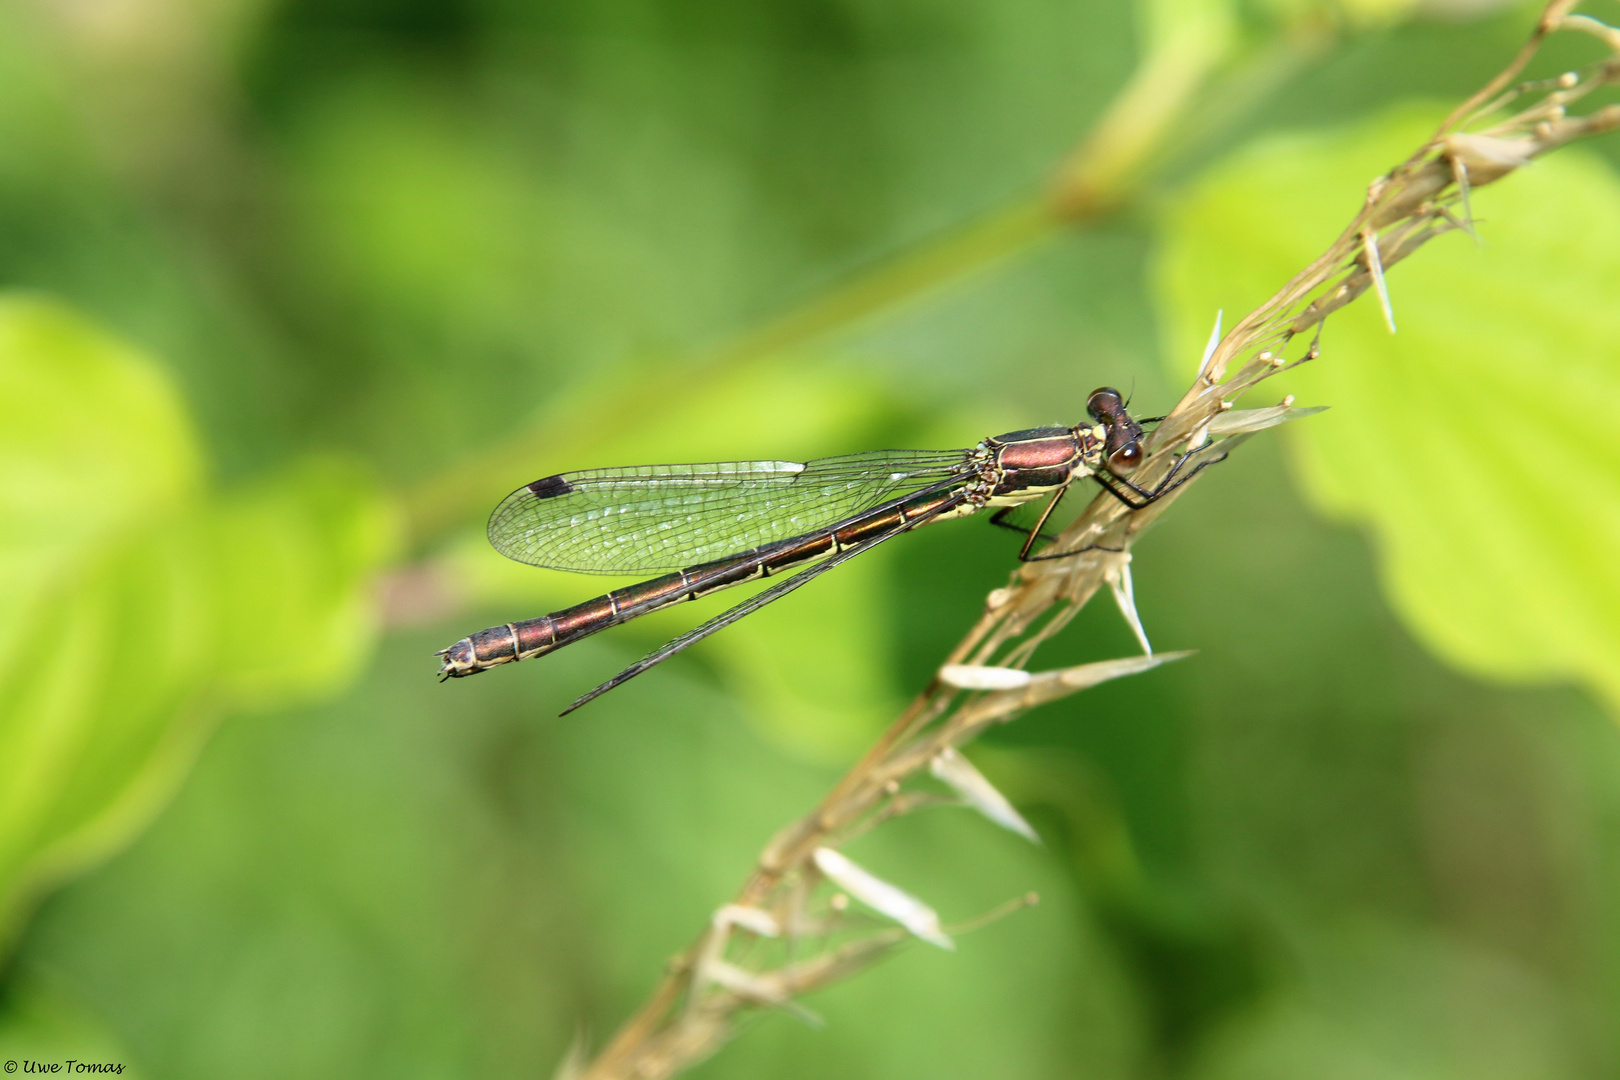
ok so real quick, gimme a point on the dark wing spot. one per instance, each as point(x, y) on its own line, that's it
point(550, 487)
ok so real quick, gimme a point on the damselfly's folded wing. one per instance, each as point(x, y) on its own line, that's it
point(667, 517)
point(759, 600)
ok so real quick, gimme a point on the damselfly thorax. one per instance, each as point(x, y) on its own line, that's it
point(713, 526)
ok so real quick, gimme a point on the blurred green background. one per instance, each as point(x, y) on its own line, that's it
point(296, 291)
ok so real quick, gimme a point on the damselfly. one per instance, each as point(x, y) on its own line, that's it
point(722, 524)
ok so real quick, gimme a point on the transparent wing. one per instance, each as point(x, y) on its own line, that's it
point(667, 517)
point(753, 604)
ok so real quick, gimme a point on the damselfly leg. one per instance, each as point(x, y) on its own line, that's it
point(1031, 533)
point(1173, 479)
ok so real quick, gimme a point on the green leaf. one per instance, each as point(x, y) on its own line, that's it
point(1358, 14)
point(93, 440)
point(1482, 443)
point(136, 605)
point(293, 558)
point(1172, 24)
point(43, 1024)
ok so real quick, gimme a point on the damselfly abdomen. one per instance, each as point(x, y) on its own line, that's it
point(717, 525)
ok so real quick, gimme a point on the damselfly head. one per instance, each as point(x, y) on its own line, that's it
point(1105, 405)
point(1122, 436)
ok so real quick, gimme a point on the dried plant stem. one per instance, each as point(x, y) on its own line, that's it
point(693, 1010)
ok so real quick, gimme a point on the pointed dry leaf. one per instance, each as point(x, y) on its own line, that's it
point(882, 897)
point(1244, 421)
point(1118, 577)
point(572, 1066)
point(1214, 341)
point(1489, 151)
point(1083, 676)
point(1048, 686)
point(754, 920)
point(761, 990)
point(968, 782)
point(975, 677)
point(1087, 675)
point(1459, 176)
point(1375, 266)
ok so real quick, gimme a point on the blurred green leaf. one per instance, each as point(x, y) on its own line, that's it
point(39, 1023)
point(1404, 1005)
point(136, 605)
point(1360, 13)
point(293, 558)
point(1168, 24)
point(1481, 443)
point(94, 441)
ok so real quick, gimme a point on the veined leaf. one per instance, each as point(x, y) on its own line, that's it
point(1481, 444)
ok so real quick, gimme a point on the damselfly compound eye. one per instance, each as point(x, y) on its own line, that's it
point(1125, 459)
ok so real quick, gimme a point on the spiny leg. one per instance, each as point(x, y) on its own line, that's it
point(1035, 533)
point(1030, 534)
point(1071, 554)
point(1024, 556)
point(1172, 481)
point(999, 519)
